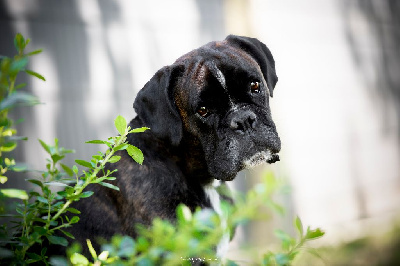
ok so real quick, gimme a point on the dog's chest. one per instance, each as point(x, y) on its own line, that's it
point(215, 200)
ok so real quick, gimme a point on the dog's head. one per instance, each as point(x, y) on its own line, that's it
point(218, 95)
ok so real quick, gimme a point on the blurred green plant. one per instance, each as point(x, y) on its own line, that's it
point(41, 219)
point(11, 97)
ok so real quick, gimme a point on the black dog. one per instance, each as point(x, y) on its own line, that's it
point(209, 117)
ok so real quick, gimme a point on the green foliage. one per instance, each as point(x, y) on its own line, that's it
point(11, 97)
point(43, 214)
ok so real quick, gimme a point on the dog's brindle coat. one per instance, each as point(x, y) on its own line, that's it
point(209, 117)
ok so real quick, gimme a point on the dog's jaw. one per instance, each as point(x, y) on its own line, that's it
point(259, 158)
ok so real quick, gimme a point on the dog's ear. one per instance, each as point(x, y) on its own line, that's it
point(155, 105)
point(260, 52)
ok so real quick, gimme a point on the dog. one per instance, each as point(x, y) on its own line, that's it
point(209, 118)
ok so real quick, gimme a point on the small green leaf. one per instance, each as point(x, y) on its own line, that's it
point(19, 42)
point(183, 213)
point(43, 200)
point(120, 124)
point(17, 65)
point(109, 185)
point(122, 146)
point(68, 234)
point(313, 234)
point(74, 220)
point(91, 249)
point(58, 261)
point(36, 182)
point(9, 146)
point(45, 146)
point(84, 163)
point(75, 169)
point(135, 153)
point(73, 210)
point(139, 130)
point(58, 240)
point(282, 259)
point(86, 194)
point(33, 73)
point(67, 169)
point(18, 98)
point(14, 193)
point(114, 159)
point(3, 179)
point(35, 52)
point(96, 141)
point(126, 247)
point(299, 226)
point(19, 86)
point(78, 259)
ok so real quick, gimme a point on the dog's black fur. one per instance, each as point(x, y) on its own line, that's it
point(206, 123)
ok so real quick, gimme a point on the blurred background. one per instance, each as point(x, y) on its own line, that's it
point(336, 105)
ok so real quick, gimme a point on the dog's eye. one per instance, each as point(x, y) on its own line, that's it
point(203, 111)
point(255, 87)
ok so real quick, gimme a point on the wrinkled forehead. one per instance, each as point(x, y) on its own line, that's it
point(216, 60)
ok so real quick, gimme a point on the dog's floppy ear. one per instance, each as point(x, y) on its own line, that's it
point(261, 54)
point(155, 105)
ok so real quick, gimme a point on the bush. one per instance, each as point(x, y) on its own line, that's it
point(40, 219)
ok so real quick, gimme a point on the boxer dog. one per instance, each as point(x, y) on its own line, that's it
point(209, 118)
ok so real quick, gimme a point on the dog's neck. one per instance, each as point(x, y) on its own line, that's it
point(188, 155)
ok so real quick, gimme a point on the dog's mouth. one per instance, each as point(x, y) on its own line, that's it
point(260, 158)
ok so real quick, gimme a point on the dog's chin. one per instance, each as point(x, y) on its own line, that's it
point(260, 158)
point(255, 160)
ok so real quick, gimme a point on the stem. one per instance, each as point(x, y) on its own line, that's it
point(92, 176)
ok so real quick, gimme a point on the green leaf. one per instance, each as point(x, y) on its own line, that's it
point(67, 169)
point(96, 141)
point(36, 182)
point(109, 185)
point(313, 234)
point(9, 146)
point(17, 65)
point(19, 86)
point(74, 220)
point(122, 146)
point(282, 259)
point(18, 98)
point(91, 249)
point(45, 146)
point(84, 163)
point(43, 200)
point(56, 157)
point(68, 234)
point(78, 259)
point(135, 153)
point(139, 130)
point(35, 52)
point(58, 240)
point(73, 210)
point(86, 194)
point(75, 169)
point(19, 42)
point(3, 179)
point(126, 247)
point(14, 193)
point(299, 226)
point(33, 73)
point(114, 159)
point(120, 124)
point(40, 230)
point(183, 213)
point(58, 261)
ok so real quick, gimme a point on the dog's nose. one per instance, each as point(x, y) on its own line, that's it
point(243, 121)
